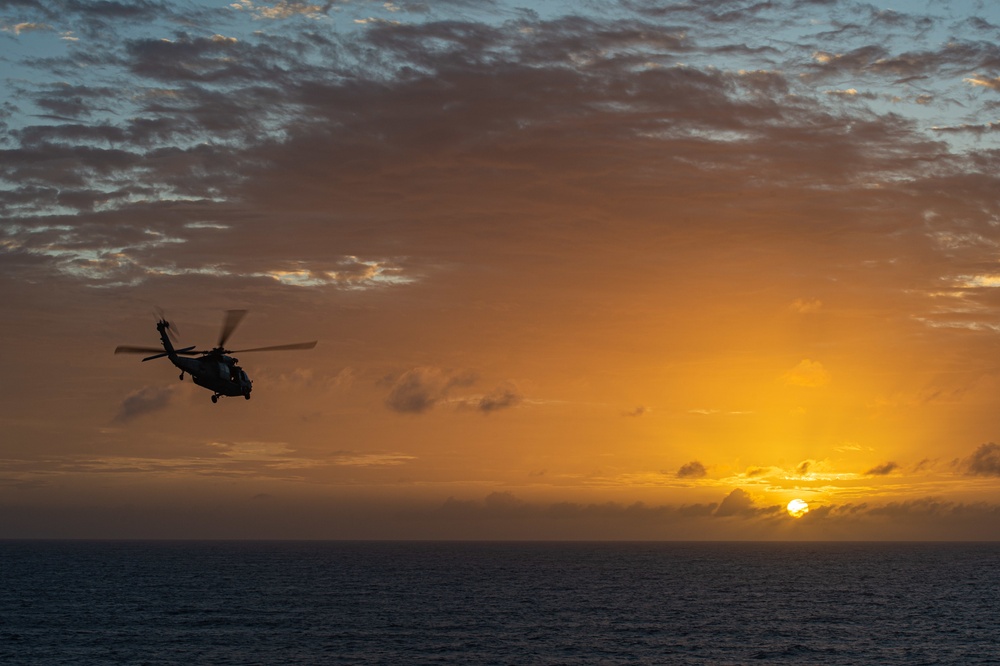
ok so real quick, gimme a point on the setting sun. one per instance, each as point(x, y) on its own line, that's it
point(797, 508)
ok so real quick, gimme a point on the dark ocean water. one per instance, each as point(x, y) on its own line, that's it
point(498, 603)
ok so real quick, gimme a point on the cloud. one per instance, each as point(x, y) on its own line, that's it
point(985, 460)
point(980, 128)
point(504, 505)
point(246, 459)
point(851, 94)
point(143, 401)
point(806, 305)
point(736, 503)
point(251, 450)
point(807, 373)
point(882, 470)
point(503, 397)
point(691, 470)
point(357, 459)
point(637, 412)
point(984, 82)
point(932, 517)
point(18, 28)
point(244, 128)
point(499, 515)
point(547, 519)
point(419, 389)
point(920, 508)
point(372, 20)
point(284, 9)
point(564, 169)
point(853, 61)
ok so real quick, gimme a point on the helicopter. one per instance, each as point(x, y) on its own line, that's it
point(212, 369)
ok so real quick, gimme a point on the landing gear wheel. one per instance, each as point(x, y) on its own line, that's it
point(182, 376)
point(215, 398)
point(246, 395)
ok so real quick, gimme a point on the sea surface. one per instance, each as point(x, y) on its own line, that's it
point(133, 602)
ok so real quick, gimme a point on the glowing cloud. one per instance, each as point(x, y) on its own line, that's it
point(143, 401)
point(807, 373)
point(419, 389)
point(806, 305)
point(882, 470)
point(985, 461)
point(18, 28)
point(984, 82)
point(691, 470)
point(282, 10)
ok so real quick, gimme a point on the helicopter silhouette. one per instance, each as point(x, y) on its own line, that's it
point(214, 369)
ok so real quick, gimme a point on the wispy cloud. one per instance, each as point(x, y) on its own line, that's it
point(284, 9)
point(691, 470)
point(806, 305)
point(502, 397)
point(985, 460)
point(417, 390)
point(18, 28)
point(883, 469)
point(143, 401)
point(984, 82)
point(807, 373)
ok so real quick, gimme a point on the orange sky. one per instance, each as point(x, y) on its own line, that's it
point(642, 271)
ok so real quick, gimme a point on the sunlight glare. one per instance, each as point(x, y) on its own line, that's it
point(797, 508)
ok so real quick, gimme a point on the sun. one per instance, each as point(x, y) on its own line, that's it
point(797, 508)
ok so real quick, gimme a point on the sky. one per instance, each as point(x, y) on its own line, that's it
point(607, 269)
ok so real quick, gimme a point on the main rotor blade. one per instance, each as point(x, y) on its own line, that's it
point(297, 345)
point(129, 349)
point(233, 319)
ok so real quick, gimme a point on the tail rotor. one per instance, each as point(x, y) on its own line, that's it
point(170, 327)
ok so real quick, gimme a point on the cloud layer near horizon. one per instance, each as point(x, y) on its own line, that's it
point(502, 515)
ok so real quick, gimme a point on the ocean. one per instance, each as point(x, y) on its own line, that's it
point(471, 603)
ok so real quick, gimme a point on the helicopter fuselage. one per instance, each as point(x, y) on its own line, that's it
point(213, 368)
point(215, 371)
